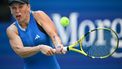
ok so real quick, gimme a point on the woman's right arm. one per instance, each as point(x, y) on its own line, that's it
point(17, 45)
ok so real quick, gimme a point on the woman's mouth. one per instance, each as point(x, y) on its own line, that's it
point(18, 17)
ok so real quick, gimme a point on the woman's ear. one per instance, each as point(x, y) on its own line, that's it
point(29, 7)
point(10, 10)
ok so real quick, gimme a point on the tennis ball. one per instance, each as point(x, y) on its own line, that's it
point(64, 21)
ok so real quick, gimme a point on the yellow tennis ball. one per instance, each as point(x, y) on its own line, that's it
point(64, 21)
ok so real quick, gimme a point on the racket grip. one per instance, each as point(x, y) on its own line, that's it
point(65, 48)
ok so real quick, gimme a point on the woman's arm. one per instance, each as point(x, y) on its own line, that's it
point(47, 24)
point(17, 45)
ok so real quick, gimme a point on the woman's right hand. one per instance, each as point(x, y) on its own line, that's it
point(47, 50)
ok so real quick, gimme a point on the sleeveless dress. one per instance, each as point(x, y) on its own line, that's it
point(33, 36)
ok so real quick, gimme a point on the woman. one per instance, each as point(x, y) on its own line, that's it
point(30, 35)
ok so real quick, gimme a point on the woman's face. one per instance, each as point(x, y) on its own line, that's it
point(20, 11)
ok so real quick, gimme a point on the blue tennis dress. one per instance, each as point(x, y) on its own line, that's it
point(33, 36)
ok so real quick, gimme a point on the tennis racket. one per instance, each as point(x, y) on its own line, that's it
point(96, 49)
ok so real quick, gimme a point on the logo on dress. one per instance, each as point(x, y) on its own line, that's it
point(37, 37)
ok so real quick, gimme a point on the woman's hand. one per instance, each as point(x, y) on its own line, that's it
point(60, 50)
point(47, 50)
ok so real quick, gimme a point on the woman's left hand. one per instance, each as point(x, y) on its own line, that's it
point(60, 50)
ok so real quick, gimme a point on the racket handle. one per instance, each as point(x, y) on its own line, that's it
point(65, 48)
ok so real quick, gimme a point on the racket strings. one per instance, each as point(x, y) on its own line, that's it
point(95, 49)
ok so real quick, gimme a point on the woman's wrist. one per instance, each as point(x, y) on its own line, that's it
point(39, 47)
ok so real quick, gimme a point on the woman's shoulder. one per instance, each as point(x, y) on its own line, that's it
point(37, 12)
point(12, 27)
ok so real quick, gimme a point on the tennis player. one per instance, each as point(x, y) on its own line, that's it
point(31, 36)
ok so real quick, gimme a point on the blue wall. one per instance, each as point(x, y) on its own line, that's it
point(79, 11)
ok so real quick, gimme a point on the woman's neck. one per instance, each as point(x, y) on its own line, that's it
point(25, 22)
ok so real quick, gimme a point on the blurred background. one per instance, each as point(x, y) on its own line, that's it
point(82, 14)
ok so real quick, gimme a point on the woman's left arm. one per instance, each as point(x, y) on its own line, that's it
point(47, 24)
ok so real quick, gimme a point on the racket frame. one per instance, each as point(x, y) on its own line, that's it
point(81, 51)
